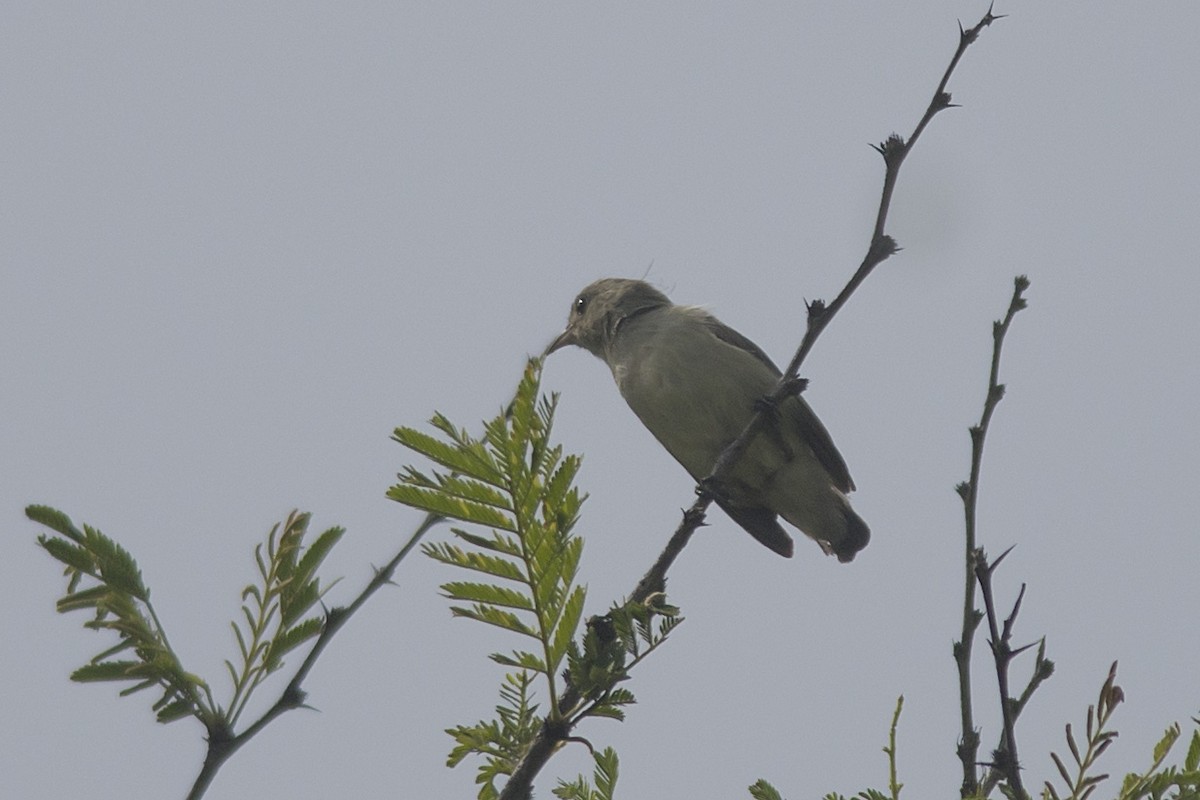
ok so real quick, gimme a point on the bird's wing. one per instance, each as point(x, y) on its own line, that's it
point(730, 336)
point(810, 428)
point(815, 435)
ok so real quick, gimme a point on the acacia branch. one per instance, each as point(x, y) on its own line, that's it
point(223, 743)
point(968, 744)
point(1004, 758)
point(894, 150)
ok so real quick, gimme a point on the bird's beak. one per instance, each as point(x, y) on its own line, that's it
point(565, 338)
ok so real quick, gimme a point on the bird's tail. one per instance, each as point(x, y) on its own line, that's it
point(856, 537)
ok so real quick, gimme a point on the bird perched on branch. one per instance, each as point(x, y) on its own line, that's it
point(695, 383)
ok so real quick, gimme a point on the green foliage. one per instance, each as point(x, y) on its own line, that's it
point(602, 785)
point(1160, 783)
point(502, 741)
point(273, 611)
point(1157, 782)
point(1097, 739)
point(519, 486)
point(515, 482)
point(761, 790)
point(894, 785)
point(612, 646)
point(103, 577)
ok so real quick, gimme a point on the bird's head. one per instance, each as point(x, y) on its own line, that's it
point(598, 311)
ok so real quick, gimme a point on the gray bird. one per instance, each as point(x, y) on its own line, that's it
point(695, 382)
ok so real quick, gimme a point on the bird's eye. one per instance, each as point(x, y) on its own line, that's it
point(580, 304)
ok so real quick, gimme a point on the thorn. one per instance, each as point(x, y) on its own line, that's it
point(893, 148)
point(693, 517)
point(1012, 618)
point(884, 246)
point(1022, 649)
point(942, 100)
point(1000, 558)
point(583, 741)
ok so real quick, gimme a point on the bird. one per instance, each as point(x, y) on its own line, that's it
point(695, 383)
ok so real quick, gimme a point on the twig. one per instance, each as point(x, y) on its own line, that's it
point(894, 150)
point(223, 743)
point(894, 785)
point(968, 744)
point(1043, 668)
point(1004, 759)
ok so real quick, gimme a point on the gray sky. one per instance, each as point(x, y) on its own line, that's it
point(242, 244)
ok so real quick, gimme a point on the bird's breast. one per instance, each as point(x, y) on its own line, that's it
point(693, 392)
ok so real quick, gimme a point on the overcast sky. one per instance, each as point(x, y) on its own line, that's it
point(240, 243)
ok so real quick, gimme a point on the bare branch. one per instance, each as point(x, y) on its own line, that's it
point(968, 743)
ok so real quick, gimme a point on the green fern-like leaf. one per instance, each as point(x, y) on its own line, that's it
point(518, 487)
point(454, 485)
point(516, 484)
point(1166, 782)
point(480, 562)
point(521, 659)
point(289, 640)
point(435, 501)
point(104, 579)
point(502, 742)
point(495, 616)
point(314, 555)
point(603, 784)
point(273, 611)
point(116, 565)
point(462, 455)
point(761, 790)
point(488, 594)
point(105, 671)
point(567, 624)
point(76, 557)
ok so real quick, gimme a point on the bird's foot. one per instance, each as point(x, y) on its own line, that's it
point(711, 488)
point(768, 405)
point(795, 385)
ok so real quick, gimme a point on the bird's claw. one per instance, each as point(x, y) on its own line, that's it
point(711, 488)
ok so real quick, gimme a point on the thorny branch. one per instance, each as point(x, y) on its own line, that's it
point(1004, 758)
point(894, 150)
point(223, 743)
point(968, 745)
